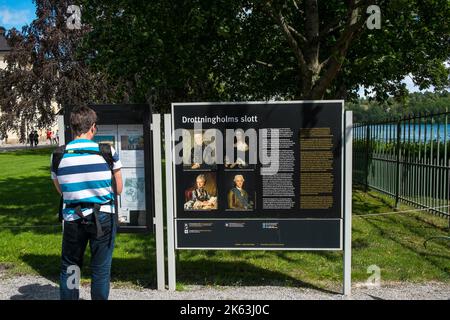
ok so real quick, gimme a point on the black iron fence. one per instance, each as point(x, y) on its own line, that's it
point(408, 159)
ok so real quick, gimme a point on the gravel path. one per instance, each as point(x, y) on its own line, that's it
point(36, 288)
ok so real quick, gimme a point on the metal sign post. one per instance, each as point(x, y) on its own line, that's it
point(347, 290)
point(169, 202)
point(60, 122)
point(158, 221)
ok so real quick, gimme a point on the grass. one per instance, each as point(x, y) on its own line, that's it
point(392, 242)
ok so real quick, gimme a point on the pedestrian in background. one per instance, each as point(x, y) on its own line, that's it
point(31, 138)
point(36, 138)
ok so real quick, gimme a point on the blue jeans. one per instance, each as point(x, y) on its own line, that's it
point(75, 238)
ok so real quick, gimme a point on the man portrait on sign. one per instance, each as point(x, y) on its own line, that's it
point(238, 198)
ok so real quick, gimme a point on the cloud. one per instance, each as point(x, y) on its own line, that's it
point(9, 18)
point(412, 87)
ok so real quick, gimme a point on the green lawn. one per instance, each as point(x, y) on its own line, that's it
point(394, 242)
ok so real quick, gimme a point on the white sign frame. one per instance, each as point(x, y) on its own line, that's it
point(346, 191)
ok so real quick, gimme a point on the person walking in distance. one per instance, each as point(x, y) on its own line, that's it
point(88, 177)
point(31, 138)
point(36, 138)
point(55, 137)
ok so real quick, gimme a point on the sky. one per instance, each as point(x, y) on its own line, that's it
point(409, 85)
point(17, 13)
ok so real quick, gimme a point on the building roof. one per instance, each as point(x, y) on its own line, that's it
point(4, 47)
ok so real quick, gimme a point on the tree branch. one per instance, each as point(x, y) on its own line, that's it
point(334, 62)
point(264, 63)
point(331, 27)
point(312, 19)
point(299, 36)
point(280, 20)
point(312, 33)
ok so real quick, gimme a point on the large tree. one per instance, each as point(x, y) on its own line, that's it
point(263, 49)
point(44, 71)
point(162, 51)
point(314, 49)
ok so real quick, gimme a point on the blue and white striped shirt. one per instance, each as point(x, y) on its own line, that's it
point(85, 177)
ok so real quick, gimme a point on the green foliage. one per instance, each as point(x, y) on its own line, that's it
point(160, 51)
point(412, 151)
point(369, 110)
point(167, 51)
point(179, 50)
point(413, 41)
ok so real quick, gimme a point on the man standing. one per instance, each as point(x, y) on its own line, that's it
point(31, 138)
point(84, 179)
point(56, 137)
point(36, 138)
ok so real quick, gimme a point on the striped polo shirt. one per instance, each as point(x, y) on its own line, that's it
point(85, 178)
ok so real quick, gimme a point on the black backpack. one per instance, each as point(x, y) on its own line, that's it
point(58, 154)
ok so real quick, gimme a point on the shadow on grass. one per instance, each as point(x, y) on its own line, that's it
point(369, 204)
point(438, 260)
point(224, 274)
point(236, 273)
point(423, 219)
point(142, 272)
point(27, 203)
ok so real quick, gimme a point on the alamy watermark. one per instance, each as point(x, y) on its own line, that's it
point(243, 148)
point(73, 21)
point(374, 20)
point(73, 280)
point(374, 280)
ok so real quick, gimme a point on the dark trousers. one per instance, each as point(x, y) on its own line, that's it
point(75, 239)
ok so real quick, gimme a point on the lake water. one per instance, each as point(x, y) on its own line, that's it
point(408, 132)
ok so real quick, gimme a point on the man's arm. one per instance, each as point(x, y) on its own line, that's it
point(117, 174)
point(118, 180)
point(57, 186)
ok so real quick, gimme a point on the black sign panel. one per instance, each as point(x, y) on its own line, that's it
point(128, 128)
point(255, 163)
point(261, 233)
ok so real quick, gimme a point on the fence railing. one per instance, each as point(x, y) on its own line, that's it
point(407, 159)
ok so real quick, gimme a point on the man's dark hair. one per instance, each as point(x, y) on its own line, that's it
point(81, 120)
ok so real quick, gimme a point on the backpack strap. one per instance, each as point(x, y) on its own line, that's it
point(105, 150)
point(60, 209)
point(106, 153)
point(57, 156)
